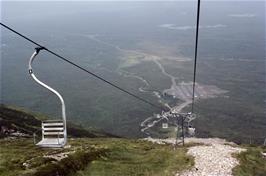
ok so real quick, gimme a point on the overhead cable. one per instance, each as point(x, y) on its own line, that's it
point(195, 56)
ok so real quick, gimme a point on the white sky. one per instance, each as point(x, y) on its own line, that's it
point(136, 0)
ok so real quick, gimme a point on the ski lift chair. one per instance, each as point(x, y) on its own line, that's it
point(54, 132)
point(164, 125)
point(191, 131)
point(164, 121)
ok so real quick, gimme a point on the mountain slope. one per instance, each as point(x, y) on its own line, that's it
point(100, 154)
point(19, 122)
point(97, 153)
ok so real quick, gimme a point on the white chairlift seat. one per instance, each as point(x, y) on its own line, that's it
point(164, 125)
point(53, 134)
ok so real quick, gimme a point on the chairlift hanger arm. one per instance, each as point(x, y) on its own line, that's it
point(36, 52)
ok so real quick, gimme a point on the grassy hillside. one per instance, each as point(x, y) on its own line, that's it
point(139, 158)
point(100, 154)
point(251, 162)
point(92, 156)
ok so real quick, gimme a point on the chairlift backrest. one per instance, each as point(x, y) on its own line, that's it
point(52, 128)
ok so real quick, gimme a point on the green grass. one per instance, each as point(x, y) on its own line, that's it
point(15, 152)
point(139, 158)
point(251, 163)
point(93, 156)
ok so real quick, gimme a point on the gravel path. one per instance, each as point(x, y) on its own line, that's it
point(213, 158)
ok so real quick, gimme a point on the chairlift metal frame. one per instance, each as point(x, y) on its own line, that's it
point(51, 127)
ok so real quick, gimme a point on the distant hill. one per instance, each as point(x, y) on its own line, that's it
point(15, 121)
